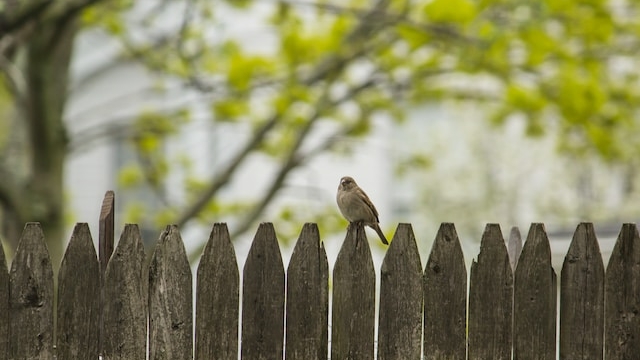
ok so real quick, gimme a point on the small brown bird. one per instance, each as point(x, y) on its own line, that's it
point(355, 206)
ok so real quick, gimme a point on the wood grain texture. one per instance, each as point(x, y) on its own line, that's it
point(170, 299)
point(445, 298)
point(354, 282)
point(582, 298)
point(217, 298)
point(307, 302)
point(106, 238)
point(263, 298)
point(79, 298)
point(4, 305)
point(31, 298)
point(535, 299)
point(400, 324)
point(622, 297)
point(491, 299)
point(125, 307)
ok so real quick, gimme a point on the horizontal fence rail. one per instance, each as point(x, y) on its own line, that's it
point(145, 310)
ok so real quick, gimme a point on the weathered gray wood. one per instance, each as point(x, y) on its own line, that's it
point(622, 297)
point(307, 298)
point(582, 297)
point(263, 298)
point(400, 324)
point(217, 298)
point(354, 282)
point(535, 299)
point(125, 307)
point(4, 305)
point(514, 246)
point(106, 237)
point(170, 299)
point(31, 298)
point(106, 234)
point(78, 298)
point(445, 298)
point(491, 299)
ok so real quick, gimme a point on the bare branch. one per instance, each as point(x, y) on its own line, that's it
point(223, 178)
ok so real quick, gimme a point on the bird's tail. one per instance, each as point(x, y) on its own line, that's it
point(376, 227)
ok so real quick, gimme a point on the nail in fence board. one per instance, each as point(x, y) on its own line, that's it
point(622, 297)
point(400, 324)
point(353, 314)
point(445, 298)
point(217, 298)
point(263, 298)
point(31, 298)
point(4, 305)
point(582, 297)
point(78, 298)
point(535, 299)
point(491, 299)
point(125, 308)
point(170, 299)
point(307, 298)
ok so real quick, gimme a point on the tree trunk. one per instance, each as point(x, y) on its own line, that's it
point(47, 55)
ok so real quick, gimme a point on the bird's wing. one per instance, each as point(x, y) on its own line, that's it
point(369, 204)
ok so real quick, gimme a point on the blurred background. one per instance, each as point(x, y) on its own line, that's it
point(243, 111)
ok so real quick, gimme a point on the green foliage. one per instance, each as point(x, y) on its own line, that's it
point(553, 63)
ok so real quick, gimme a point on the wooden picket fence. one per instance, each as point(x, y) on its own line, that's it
point(135, 311)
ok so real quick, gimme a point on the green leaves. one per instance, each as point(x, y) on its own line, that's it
point(450, 11)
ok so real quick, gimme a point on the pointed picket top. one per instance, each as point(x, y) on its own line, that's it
point(307, 298)
point(445, 297)
point(170, 299)
point(217, 298)
point(400, 325)
point(491, 299)
point(535, 298)
point(622, 296)
point(354, 283)
point(31, 297)
point(4, 305)
point(78, 298)
point(263, 298)
point(514, 246)
point(125, 308)
point(582, 297)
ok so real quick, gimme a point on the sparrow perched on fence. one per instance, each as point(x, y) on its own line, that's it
point(355, 206)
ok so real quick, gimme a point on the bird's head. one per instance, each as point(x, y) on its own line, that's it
point(347, 183)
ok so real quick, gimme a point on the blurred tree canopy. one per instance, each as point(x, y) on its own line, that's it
point(566, 66)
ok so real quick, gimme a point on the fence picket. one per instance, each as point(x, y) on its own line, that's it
point(307, 298)
point(400, 324)
point(217, 298)
point(106, 234)
point(514, 246)
point(445, 298)
point(78, 298)
point(4, 305)
point(535, 299)
point(510, 313)
point(31, 298)
point(263, 298)
point(622, 297)
point(170, 299)
point(354, 282)
point(125, 307)
point(582, 297)
point(491, 299)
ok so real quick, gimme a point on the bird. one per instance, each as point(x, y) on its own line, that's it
point(355, 206)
